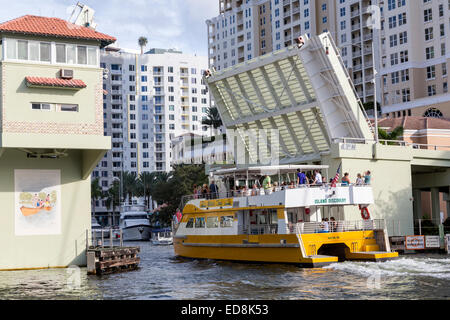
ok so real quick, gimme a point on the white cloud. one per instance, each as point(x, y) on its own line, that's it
point(166, 23)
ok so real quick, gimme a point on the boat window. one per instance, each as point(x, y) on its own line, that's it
point(200, 222)
point(190, 223)
point(142, 216)
point(212, 222)
point(226, 221)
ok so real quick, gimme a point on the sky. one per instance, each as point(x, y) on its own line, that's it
point(166, 24)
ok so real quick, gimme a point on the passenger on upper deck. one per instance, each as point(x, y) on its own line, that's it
point(318, 178)
point(301, 177)
point(255, 190)
point(367, 177)
point(359, 180)
point(214, 190)
point(267, 183)
point(205, 191)
point(345, 179)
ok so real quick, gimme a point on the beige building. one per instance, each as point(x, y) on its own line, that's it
point(51, 139)
point(415, 42)
point(409, 61)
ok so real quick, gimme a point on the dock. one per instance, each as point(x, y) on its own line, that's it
point(106, 260)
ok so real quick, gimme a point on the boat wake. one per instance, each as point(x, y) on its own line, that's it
point(425, 267)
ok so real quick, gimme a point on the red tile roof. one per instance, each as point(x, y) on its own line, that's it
point(55, 27)
point(55, 82)
point(414, 123)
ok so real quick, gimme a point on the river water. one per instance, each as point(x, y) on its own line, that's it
point(163, 276)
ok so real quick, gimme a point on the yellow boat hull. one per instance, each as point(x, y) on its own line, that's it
point(305, 250)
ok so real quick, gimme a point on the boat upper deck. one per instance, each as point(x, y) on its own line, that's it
point(289, 197)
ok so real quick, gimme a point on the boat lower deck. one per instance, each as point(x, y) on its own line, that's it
point(311, 250)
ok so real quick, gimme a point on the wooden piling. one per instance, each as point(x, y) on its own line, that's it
point(105, 260)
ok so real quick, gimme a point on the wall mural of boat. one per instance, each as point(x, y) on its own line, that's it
point(32, 211)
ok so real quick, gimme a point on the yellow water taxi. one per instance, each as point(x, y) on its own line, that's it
point(289, 223)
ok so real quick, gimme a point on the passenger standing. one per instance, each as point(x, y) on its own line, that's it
point(345, 180)
point(367, 177)
point(359, 180)
point(301, 177)
point(267, 183)
point(318, 178)
point(205, 191)
point(214, 190)
point(195, 192)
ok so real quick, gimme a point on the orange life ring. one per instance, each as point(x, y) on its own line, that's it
point(365, 214)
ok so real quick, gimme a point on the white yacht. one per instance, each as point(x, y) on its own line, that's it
point(96, 229)
point(162, 237)
point(134, 223)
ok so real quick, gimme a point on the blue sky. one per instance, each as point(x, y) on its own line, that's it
point(166, 23)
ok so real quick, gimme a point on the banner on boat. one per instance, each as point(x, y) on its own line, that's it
point(37, 200)
point(414, 242)
point(217, 203)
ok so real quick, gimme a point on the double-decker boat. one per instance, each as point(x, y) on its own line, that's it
point(288, 223)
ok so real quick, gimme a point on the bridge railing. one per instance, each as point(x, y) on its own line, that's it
point(392, 142)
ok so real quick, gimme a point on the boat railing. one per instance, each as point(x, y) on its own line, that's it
point(261, 229)
point(336, 226)
point(259, 191)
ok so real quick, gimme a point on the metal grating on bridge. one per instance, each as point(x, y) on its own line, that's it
point(302, 95)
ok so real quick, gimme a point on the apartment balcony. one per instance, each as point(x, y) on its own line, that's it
point(368, 37)
point(356, 40)
point(356, 26)
point(160, 73)
point(295, 10)
point(369, 92)
point(286, 2)
point(356, 54)
point(354, 13)
point(287, 13)
point(367, 51)
point(357, 81)
point(184, 74)
point(357, 67)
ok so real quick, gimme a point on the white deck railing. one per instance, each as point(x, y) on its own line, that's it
point(336, 226)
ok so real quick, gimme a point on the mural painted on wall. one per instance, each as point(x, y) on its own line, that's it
point(37, 202)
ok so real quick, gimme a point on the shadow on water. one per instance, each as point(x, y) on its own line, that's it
point(162, 275)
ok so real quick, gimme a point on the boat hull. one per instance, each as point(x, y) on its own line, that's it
point(279, 248)
point(32, 211)
point(136, 233)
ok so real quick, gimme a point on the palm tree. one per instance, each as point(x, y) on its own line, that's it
point(212, 118)
point(129, 185)
point(96, 193)
point(112, 196)
point(142, 43)
point(393, 135)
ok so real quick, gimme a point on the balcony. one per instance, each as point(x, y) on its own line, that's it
point(354, 13)
point(356, 40)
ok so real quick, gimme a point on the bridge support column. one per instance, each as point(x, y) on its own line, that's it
point(417, 204)
point(435, 206)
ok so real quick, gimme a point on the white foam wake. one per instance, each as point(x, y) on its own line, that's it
point(405, 266)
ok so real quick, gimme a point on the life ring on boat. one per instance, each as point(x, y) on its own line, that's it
point(365, 214)
point(307, 211)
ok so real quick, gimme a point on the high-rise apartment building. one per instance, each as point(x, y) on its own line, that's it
point(241, 32)
point(148, 100)
point(347, 20)
point(408, 62)
point(415, 58)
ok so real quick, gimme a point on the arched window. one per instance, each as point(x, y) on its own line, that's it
point(433, 113)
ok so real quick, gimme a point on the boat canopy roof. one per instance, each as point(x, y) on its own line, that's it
point(267, 170)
